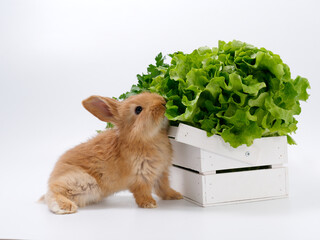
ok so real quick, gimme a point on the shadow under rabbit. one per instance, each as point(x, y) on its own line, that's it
point(127, 201)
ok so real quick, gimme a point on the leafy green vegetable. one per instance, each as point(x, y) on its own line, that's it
point(237, 91)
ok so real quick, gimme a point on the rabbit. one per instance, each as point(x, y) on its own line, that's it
point(134, 155)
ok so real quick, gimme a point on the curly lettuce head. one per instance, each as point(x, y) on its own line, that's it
point(237, 91)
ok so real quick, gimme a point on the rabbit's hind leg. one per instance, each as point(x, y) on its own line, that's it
point(73, 190)
point(60, 204)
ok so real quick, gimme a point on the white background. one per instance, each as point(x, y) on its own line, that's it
point(53, 54)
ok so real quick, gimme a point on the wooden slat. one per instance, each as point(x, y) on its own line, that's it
point(261, 150)
point(208, 190)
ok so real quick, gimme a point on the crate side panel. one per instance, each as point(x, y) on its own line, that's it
point(246, 185)
point(273, 150)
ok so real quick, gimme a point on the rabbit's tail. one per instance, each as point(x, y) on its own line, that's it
point(42, 199)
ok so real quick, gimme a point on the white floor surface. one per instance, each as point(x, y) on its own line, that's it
point(118, 217)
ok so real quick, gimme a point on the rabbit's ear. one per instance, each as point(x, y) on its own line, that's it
point(106, 109)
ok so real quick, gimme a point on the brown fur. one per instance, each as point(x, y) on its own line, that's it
point(135, 155)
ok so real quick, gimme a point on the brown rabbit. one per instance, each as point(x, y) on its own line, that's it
point(135, 155)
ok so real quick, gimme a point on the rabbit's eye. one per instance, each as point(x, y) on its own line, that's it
point(138, 110)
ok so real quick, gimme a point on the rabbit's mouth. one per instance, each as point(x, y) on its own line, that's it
point(160, 125)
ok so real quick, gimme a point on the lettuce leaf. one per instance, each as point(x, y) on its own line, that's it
point(236, 90)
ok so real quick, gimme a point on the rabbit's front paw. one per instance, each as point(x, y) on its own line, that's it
point(172, 195)
point(147, 203)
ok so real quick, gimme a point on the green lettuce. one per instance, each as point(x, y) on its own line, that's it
point(237, 91)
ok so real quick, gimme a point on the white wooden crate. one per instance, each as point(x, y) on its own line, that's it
point(209, 171)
